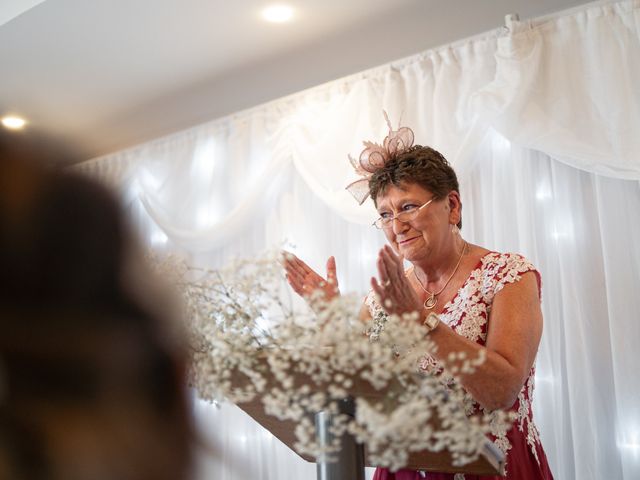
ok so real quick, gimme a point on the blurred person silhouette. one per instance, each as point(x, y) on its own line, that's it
point(92, 370)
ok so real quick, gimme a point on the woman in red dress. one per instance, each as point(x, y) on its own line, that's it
point(472, 299)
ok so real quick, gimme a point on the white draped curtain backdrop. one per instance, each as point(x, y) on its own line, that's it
point(540, 119)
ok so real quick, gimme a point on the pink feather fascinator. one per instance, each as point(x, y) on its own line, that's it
point(375, 156)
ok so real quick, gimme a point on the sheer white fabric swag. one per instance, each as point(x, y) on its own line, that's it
point(565, 86)
point(568, 86)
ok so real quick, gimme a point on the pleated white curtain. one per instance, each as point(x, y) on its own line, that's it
point(581, 230)
point(540, 120)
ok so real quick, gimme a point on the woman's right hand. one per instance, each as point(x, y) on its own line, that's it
point(305, 281)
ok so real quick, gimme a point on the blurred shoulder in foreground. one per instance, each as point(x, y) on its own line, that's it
point(92, 368)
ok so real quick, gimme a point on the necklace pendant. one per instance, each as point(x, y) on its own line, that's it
point(430, 302)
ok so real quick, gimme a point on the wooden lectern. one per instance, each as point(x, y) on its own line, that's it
point(490, 462)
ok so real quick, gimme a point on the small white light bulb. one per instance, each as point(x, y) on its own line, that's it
point(277, 13)
point(13, 123)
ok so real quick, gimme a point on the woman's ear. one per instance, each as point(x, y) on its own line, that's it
point(455, 207)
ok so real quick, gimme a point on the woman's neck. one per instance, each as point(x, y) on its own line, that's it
point(437, 268)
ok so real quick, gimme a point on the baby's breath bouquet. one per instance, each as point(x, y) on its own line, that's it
point(249, 342)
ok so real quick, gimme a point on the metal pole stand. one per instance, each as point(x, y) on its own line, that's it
point(348, 462)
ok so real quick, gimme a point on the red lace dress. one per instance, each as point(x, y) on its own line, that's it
point(468, 315)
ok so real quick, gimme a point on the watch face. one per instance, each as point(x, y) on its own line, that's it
point(431, 321)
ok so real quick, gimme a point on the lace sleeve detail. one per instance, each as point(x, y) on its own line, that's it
point(508, 268)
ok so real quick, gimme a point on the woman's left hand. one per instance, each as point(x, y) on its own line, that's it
point(396, 294)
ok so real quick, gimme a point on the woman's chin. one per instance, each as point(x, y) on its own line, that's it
point(409, 250)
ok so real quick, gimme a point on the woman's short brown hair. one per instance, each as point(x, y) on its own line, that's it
point(423, 166)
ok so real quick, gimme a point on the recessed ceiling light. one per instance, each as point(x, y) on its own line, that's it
point(277, 13)
point(13, 123)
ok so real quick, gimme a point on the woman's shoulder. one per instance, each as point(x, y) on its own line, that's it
point(492, 259)
point(501, 268)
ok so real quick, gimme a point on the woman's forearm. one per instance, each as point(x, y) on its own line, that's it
point(494, 383)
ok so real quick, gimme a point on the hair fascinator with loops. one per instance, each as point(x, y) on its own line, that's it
point(375, 156)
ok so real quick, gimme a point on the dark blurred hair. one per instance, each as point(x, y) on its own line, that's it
point(92, 382)
point(419, 165)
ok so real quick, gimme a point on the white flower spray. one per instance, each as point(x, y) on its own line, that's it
point(248, 342)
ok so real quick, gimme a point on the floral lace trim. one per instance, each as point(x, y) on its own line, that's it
point(525, 413)
point(378, 316)
point(467, 314)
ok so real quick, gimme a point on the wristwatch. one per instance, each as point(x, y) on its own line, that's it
point(431, 321)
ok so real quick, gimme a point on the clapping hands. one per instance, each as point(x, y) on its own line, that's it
point(305, 281)
point(393, 288)
point(396, 294)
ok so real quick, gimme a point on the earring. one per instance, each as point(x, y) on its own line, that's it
point(455, 230)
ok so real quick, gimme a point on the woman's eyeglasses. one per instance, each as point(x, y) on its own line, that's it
point(405, 216)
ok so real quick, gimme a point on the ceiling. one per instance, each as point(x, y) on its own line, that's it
point(102, 75)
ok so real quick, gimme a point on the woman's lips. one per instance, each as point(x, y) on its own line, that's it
point(404, 242)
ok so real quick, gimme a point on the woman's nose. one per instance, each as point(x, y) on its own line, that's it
point(399, 226)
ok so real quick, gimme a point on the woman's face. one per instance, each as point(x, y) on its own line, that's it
point(426, 234)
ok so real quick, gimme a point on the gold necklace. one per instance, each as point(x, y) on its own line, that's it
point(432, 299)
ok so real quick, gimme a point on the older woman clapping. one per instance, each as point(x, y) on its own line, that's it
point(473, 300)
